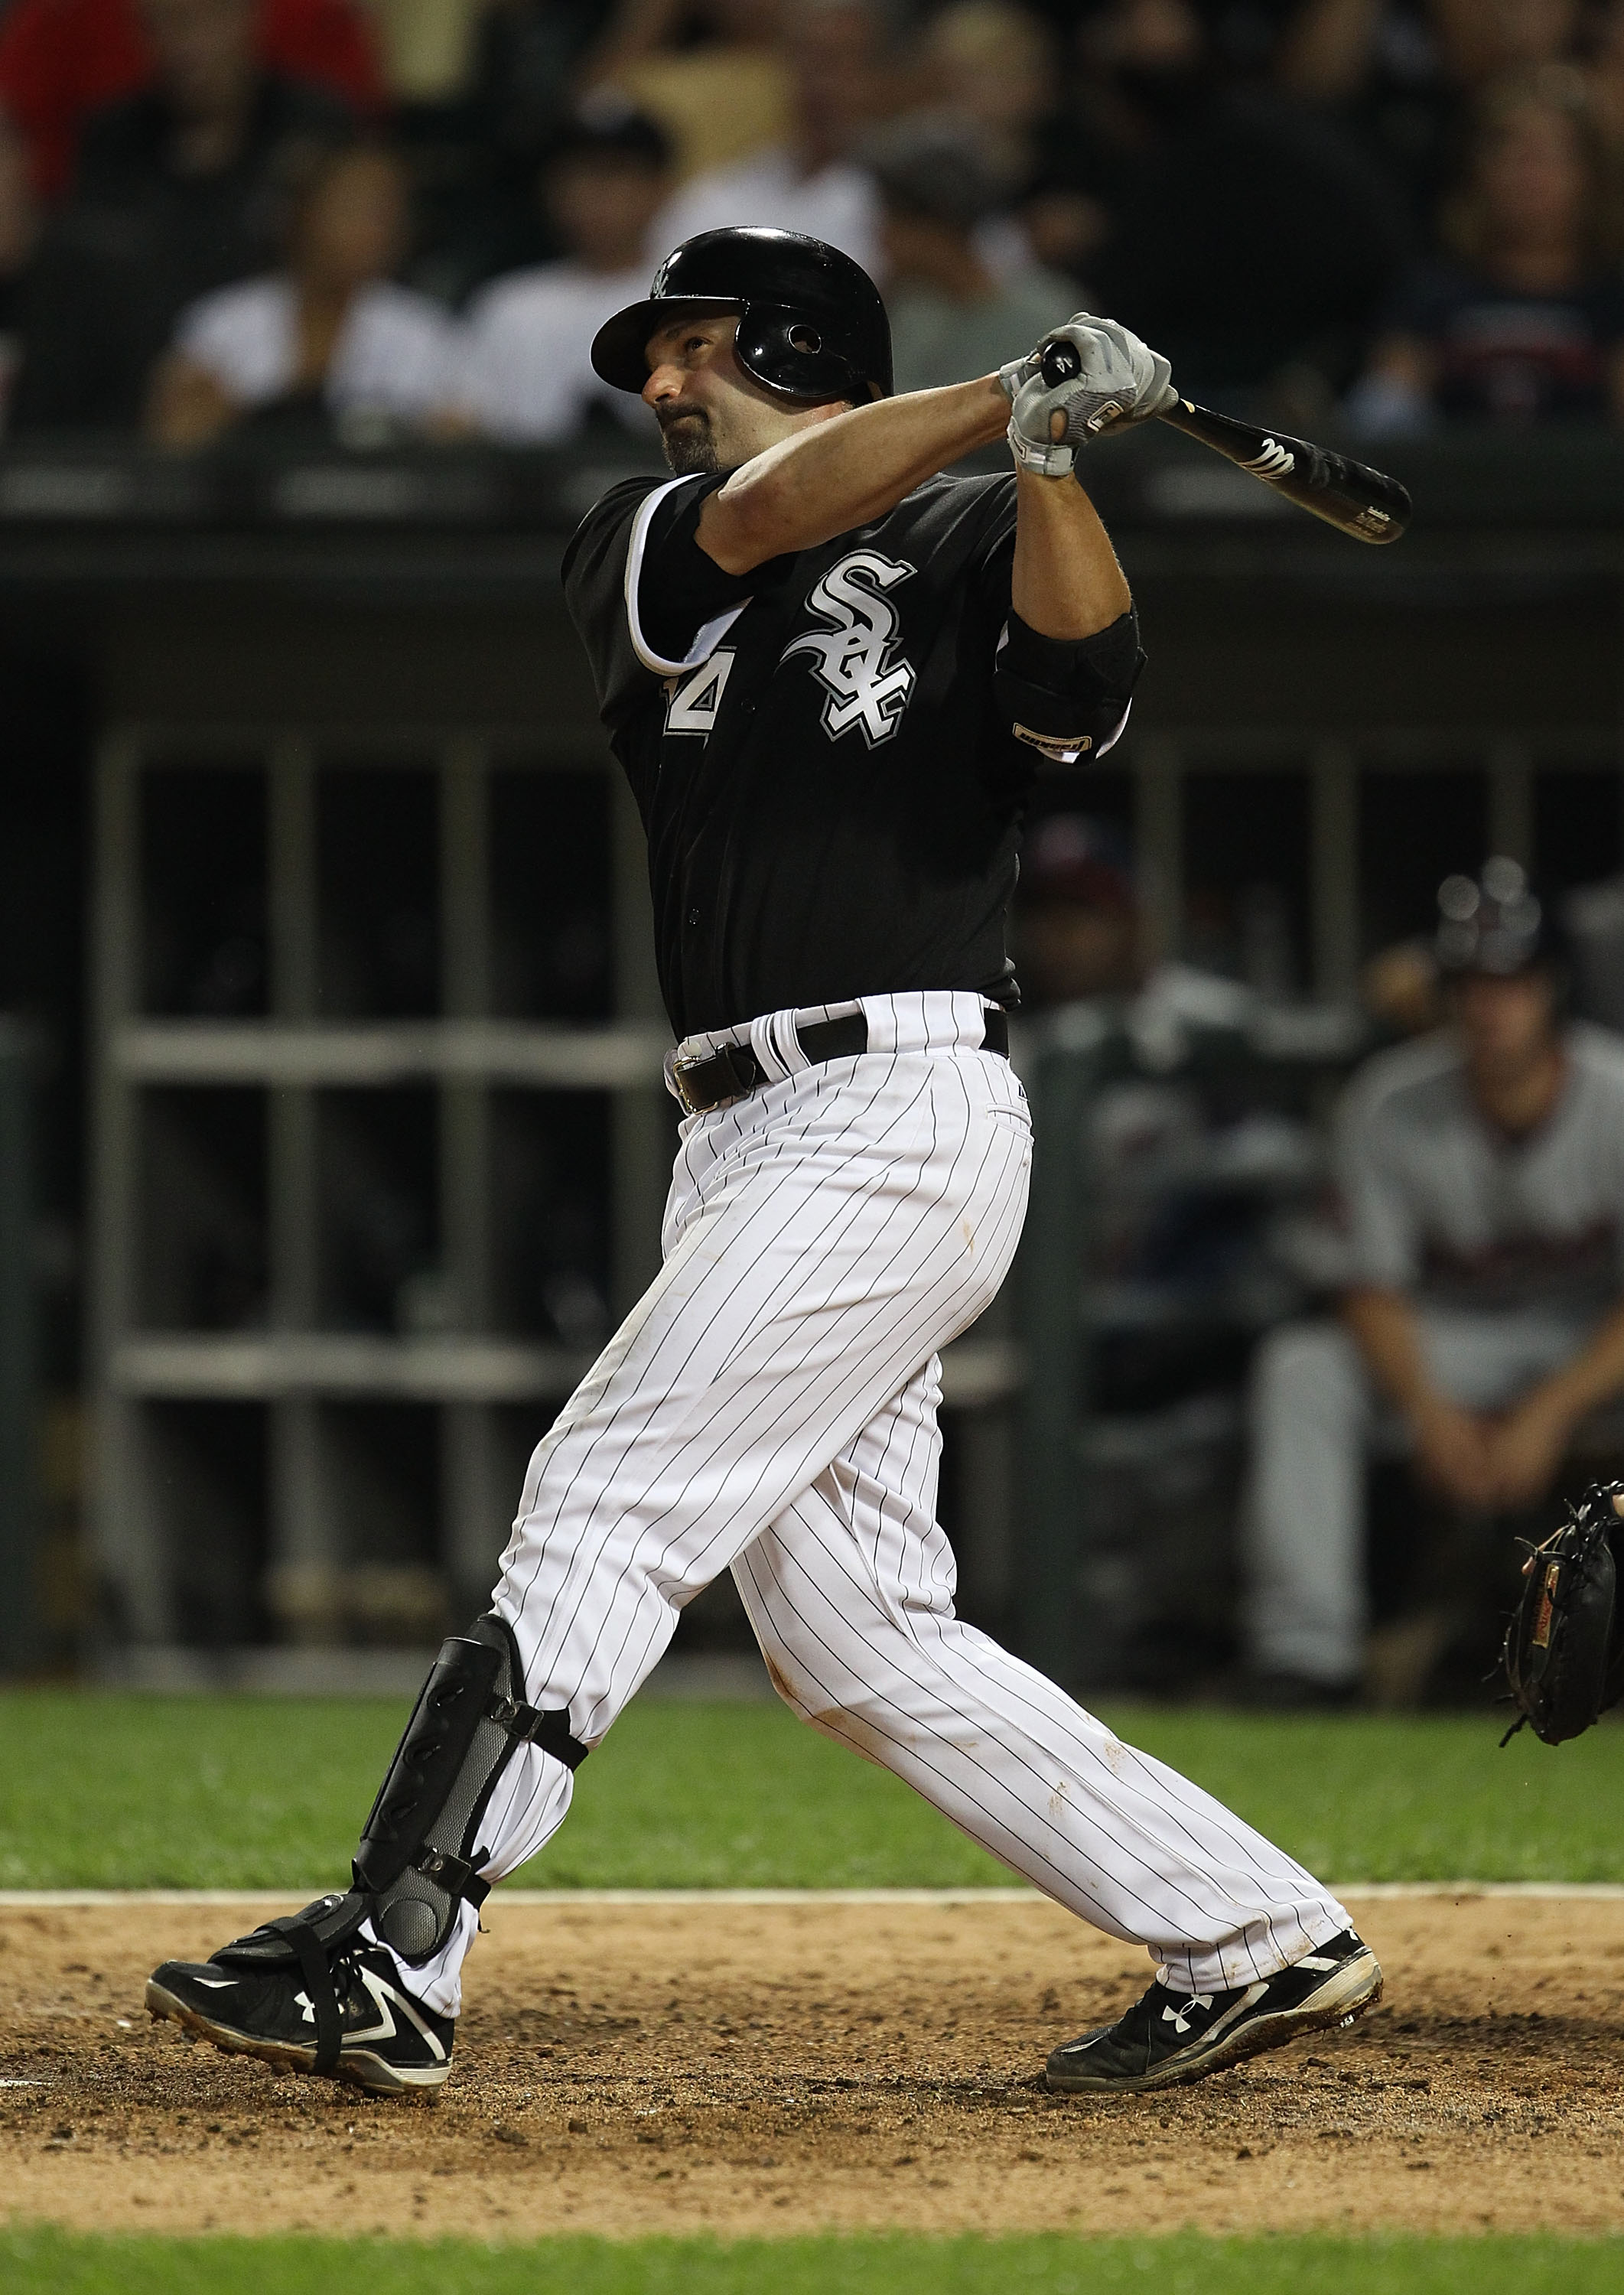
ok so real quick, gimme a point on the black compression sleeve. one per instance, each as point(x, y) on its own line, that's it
point(1067, 696)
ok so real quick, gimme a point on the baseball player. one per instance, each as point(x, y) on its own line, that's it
point(828, 672)
point(1481, 1175)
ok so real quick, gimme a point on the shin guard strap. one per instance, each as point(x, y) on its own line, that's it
point(528, 1725)
point(316, 1970)
point(457, 1875)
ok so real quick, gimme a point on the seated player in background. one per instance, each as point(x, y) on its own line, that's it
point(1481, 1172)
point(1521, 316)
point(331, 336)
point(524, 366)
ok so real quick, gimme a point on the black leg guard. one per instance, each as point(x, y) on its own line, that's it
point(418, 1856)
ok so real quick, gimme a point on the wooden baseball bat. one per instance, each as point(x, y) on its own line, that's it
point(1366, 503)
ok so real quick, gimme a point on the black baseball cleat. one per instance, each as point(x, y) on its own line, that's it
point(1169, 2038)
point(367, 2030)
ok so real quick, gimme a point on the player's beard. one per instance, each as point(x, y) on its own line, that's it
point(685, 436)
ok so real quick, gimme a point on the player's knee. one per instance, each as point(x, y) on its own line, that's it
point(781, 1674)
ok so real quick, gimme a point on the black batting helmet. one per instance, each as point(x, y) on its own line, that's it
point(811, 321)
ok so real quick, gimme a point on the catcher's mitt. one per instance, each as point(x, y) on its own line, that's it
point(1565, 1658)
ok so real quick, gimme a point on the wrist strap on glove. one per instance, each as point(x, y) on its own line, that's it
point(1050, 462)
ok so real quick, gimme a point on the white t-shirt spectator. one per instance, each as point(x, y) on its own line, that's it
point(395, 351)
point(837, 204)
point(524, 369)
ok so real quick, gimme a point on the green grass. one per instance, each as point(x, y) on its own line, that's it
point(56, 2263)
point(130, 1792)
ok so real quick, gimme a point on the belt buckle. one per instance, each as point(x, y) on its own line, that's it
point(682, 1064)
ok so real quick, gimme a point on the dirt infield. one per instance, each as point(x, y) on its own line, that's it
point(750, 2068)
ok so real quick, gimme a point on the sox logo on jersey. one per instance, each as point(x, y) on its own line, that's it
point(855, 659)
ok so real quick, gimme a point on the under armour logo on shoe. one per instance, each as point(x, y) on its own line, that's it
point(1177, 2018)
point(302, 2000)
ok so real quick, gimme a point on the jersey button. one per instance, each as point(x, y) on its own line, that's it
point(693, 915)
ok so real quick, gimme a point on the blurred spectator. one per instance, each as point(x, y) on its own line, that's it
point(18, 235)
point(1483, 1192)
point(1238, 236)
point(528, 54)
point(1482, 39)
point(525, 366)
point(1605, 76)
point(992, 66)
point(1400, 73)
point(177, 193)
point(951, 317)
point(1526, 324)
point(1333, 48)
point(62, 60)
point(719, 100)
point(329, 337)
point(844, 68)
point(426, 46)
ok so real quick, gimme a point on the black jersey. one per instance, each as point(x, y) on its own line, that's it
point(827, 773)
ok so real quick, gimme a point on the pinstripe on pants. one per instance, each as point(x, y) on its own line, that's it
point(771, 1405)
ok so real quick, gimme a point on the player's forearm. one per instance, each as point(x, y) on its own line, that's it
point(1384, 1329)
point(1066, 582)
point(842, 473)
point(1594, 1376)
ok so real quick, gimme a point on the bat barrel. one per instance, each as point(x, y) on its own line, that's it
point(1357, 500)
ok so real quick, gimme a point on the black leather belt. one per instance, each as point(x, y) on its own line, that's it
point(709, 1080)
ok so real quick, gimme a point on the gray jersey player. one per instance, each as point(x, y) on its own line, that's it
point(1481, 1174)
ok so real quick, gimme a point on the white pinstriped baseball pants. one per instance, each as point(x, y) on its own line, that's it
point(771, 1406)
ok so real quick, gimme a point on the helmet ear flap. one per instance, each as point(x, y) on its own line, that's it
point(785, 352)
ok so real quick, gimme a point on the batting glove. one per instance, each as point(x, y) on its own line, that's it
point(1121, 381)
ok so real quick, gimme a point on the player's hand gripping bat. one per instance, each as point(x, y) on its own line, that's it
point(1366, 503)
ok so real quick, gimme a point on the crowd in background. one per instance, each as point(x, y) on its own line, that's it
point(385, 214)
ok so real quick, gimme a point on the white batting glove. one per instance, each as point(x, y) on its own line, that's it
point(1017, 372)
point(1119, 380)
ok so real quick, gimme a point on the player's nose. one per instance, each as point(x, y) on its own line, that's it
point(665, 381)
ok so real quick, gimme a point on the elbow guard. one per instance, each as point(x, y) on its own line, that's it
point(1067, 697)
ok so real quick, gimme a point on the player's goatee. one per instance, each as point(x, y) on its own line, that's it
point(689, 447)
